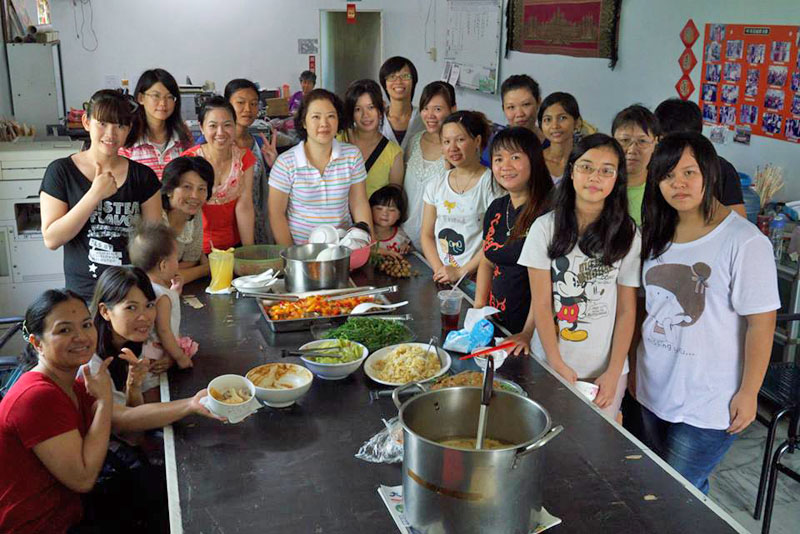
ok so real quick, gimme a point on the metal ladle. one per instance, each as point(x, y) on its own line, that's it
point(486, 396)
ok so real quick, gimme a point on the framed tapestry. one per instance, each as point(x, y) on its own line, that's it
point(581, 28)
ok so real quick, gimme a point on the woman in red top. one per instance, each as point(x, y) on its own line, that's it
point(54, 428)
point(229, 216)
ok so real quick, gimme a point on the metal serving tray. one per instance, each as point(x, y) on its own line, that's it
point(296, 325)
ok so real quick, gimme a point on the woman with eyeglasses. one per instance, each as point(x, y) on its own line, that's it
point(91, 200)
point(398, 77)
point(158, 134)
point(583, 268)
point(636, 129)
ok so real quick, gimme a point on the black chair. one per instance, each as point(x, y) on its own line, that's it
point(781, 392)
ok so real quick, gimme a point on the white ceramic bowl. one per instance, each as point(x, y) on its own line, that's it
point(499, 358)
point(378, 355)
point(588, 389)
point(333, 371)
point(324, 233)
point(296, 377)
point(231, 411)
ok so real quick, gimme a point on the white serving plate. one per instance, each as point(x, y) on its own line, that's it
point(378, 355)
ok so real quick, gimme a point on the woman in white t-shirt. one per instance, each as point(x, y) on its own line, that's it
point(424, 159)
point(452, 220)
point(712, 291)
point(583, 267)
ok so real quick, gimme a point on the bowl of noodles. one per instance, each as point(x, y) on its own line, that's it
point(408, 362)
point(279, 385)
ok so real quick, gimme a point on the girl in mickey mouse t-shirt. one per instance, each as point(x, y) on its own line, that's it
point(583, 264)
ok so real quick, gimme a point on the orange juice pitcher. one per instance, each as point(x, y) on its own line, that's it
point(221, 264)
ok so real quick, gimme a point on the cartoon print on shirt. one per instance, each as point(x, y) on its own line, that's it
point(572, 294)
point(452, 244)
point(683, 288)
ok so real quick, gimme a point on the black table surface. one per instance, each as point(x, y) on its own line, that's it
point(293, 469)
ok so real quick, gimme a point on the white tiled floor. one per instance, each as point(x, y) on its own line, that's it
point(735, 482)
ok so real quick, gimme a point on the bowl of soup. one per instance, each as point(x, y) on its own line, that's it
point(231, 396)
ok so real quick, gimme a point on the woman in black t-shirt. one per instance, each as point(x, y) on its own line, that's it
point(92, 199)
point(519, 167)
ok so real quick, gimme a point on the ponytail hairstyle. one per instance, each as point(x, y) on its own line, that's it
point(112, 287)
point(659, 219)
point(540, 185)
point(608, 238)
point(174, 122)
point(474, 122)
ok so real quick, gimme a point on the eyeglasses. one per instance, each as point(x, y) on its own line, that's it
point(641, 143)
point(588, 170)
point(161, 98)
point(398, 77)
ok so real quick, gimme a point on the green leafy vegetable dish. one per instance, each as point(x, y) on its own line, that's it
point(351, 351)
point(373, 333)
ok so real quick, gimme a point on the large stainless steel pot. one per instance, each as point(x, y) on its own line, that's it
point(305, 273)
point(449, 490)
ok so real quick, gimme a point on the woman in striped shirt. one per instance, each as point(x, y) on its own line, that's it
point(159, 134)
point(320, 180)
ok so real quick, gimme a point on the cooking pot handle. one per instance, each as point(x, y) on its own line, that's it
point(556, 430)
point(400, 389)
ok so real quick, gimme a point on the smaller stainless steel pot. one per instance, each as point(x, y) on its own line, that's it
point(305, 273)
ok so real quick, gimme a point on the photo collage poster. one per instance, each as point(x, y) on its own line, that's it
point(751, 77)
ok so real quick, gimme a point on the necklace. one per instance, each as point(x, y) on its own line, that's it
point(455, 183)
point(508, 217)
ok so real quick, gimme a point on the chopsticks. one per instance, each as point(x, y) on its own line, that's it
point(365, 292)
point(501, 346)
point(310, 354)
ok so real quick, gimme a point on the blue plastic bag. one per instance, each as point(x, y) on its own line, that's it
point(468, 340)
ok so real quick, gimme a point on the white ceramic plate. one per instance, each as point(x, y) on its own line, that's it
point(378, 355)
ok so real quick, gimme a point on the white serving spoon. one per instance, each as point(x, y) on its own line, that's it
point(364, 307)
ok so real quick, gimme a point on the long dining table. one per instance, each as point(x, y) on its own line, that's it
point(293, 470)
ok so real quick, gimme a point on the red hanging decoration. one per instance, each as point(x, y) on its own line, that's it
point(685, 87)
point(689, 33)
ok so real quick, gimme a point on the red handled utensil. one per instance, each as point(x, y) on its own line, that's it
point(501, 346)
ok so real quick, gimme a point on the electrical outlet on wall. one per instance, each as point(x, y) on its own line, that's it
point(432, 53)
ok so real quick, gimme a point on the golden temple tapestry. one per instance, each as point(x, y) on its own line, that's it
point(582, 28)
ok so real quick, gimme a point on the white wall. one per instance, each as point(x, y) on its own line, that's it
point(220, 40)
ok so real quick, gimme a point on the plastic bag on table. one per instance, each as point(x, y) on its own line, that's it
point(477, 331)
point(385, 447)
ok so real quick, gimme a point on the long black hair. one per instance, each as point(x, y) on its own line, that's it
point(111, 289)
point(659, 219)
point(540, 185)
point(35, 317)
point(610, 236)
point(174, 123)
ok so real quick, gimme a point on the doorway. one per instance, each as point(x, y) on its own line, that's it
point(349, 52)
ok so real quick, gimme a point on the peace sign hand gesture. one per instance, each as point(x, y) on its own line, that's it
point(270, 148)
